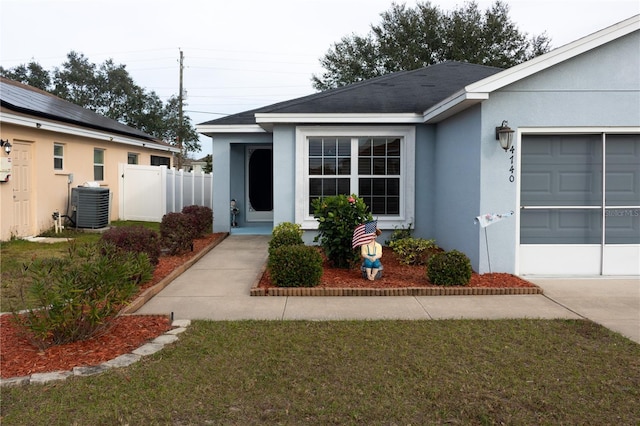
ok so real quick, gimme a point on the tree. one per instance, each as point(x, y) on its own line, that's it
point(32, 74)
point(412, 38)
point(109, 90)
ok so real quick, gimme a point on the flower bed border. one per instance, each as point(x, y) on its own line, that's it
point(398, 291)
point(403, 291)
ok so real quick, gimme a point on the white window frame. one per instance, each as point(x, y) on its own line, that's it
point(133, 155)
point(61, 157)
point(99, 164)
point(407, 135)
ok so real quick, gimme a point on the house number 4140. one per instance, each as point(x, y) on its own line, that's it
point(512, 169)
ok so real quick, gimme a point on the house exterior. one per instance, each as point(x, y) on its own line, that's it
point(57, 146)
point(421, 148)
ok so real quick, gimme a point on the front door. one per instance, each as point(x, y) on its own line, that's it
point(259, 179)
point(580, 204)
point(21, 177)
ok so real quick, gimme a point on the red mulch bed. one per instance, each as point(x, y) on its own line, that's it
point(18, 357)
point(397, 275)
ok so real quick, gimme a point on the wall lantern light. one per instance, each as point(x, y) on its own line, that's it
point(504, 134)
point(6, 145)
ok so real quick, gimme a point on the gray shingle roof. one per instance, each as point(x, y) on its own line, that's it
point(29, 100)
point(400, 92)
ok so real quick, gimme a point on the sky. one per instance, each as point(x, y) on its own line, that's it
point(240, 54)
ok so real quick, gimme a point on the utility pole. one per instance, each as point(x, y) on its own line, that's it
point(180, 116)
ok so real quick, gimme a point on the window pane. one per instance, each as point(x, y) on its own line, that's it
point(364, 146)
point(329, 187)
point(364, 187)
point(379, 187)
point(364, 166)
point(344, 147)
point(98, 173)
point(132, 158)
point(377, 205)
point(379, 166)
point(393, 166)
point(330, 149)
point(315, 147)
point(57, 163)
point(329, 166)
point(315, 166)
point(393, 147)
point(379, 147)
point(393, 205)
point(344, 186)
point(393, 187)
point(98, 156)
point(315, 187)
point(57, 150)
point(344, 166)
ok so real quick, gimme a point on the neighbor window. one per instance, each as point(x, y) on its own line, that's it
point(132, 158)
point(375, 164)
point(98, 164)
point(58, 156)
point(156, 160)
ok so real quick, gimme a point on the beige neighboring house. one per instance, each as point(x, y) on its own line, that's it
point(56, 146)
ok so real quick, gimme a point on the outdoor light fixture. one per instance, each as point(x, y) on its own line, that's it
point(6, 145)
point(504, 134)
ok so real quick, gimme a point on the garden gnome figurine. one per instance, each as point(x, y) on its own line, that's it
point(234, 213)
point(371, 253)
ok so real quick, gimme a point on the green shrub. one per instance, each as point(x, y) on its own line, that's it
point(295, 266)
point(177, 232)
point(79, 295)
point(337, 217)
point(413, 251)
point(285, 234)
point(399, 234)
point(137, 239)
point(449, 268)
point(202, 218)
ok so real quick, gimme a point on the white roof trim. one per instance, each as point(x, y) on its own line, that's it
point(497, 81)
point(337, 118)
point(452, 105)
point(53, 126)
point(229, 128)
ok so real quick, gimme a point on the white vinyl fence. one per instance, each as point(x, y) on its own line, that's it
point(149, 192)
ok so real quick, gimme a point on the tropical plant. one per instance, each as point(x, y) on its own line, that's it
point(337, 217)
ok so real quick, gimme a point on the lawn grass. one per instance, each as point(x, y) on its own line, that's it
point(357, 373)
point(14, 254)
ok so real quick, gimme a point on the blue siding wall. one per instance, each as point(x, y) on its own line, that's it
point(457, 178)
point(284, 151)
point(597, 89)
point(229, 175)
point(424, 222)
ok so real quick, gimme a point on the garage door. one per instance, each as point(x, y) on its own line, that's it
point(580, 204)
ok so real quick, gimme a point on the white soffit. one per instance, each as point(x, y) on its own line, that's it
point(229, 128)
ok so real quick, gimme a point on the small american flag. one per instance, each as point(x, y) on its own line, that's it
point(364, 233)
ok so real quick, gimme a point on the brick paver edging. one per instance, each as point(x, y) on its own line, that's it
point(124, 360)
point(406, 291)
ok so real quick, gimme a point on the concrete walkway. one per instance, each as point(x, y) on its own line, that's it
point(217, 288)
